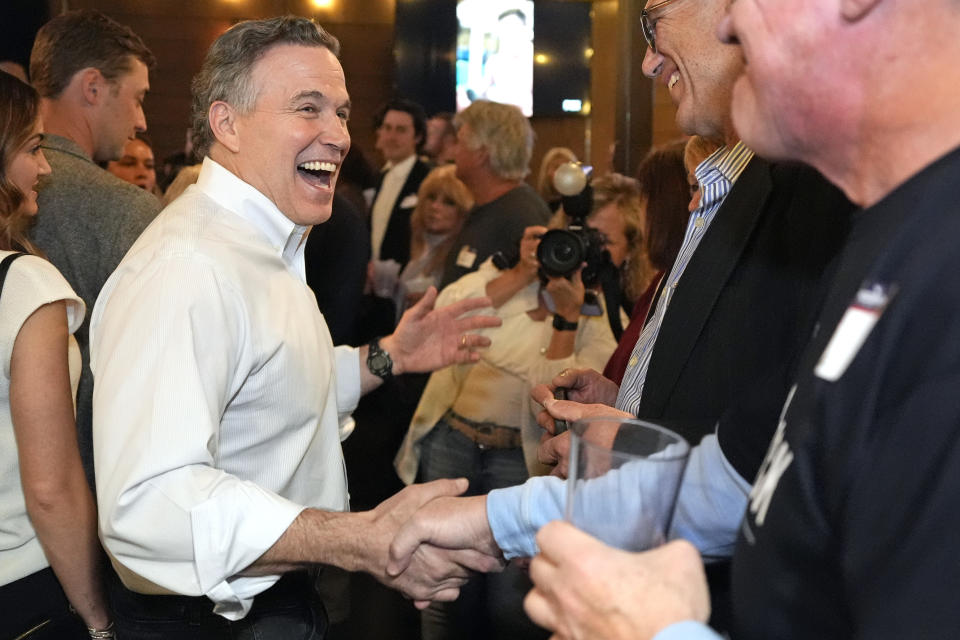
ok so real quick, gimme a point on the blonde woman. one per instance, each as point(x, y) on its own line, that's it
point(443, 203)
point(552, 159)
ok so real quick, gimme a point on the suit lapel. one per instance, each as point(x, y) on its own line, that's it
point(702, 283)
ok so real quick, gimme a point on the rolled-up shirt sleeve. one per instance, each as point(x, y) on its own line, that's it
point(348, 379)
point(168, 354)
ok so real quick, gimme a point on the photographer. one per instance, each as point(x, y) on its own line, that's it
point(477, 420)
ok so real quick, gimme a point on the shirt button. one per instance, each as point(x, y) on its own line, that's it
point(543, 350)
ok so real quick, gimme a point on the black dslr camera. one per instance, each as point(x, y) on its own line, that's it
point(562, 251)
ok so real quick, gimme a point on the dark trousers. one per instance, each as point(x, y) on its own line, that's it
point(290, 610)
point(35, 608)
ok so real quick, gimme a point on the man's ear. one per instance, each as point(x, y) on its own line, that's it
point(223, 122)
point(854, 10)
point(93, 85)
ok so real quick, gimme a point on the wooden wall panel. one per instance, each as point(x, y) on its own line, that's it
point(603, 85)
point(664, 116)
point(179, 32)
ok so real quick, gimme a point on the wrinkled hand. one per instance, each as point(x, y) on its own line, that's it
point(428, 339)
point(585, 590)
point(587, 386)
point(452, 524)
point(555, 450)
point(568, 295)
point(430, 573)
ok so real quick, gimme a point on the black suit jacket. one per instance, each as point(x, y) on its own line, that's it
point(336, 257)
point(396, 238)
point(744, 310)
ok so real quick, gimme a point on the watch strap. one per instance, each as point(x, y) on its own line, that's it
point(562, 324)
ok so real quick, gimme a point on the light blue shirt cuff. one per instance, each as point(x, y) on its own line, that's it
point(516, 513)
point(688, 630)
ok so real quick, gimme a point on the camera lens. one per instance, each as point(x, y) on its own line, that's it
point(560, 253)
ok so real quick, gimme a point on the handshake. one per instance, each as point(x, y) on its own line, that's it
point(427, 542)
point(434, 539)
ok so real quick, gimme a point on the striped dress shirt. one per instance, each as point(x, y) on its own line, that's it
point(716, 176)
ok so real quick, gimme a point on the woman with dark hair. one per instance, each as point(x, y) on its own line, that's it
point(665, 193)
point(49, 552)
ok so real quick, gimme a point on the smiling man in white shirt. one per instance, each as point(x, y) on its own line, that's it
point(219, 392)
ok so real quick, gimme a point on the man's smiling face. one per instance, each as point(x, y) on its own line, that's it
point(697, 69)
point(291, 146)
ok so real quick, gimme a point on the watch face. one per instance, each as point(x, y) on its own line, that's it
point(378, 361)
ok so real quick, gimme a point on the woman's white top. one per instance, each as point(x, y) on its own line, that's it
point(31, 283)
point(497, 388)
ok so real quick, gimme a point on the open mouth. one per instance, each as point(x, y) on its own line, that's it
point(317, 173)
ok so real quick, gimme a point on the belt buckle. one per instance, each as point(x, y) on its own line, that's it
point(485, 428)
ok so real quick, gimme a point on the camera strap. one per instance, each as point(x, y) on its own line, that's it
point(612, 298)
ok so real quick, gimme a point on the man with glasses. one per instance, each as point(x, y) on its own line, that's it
point(716, 357)
point(847, 531)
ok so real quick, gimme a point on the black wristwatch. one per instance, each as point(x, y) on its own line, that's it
point(379, 361)
point(562, 324)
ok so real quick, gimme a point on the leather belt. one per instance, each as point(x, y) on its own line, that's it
point(486, 435)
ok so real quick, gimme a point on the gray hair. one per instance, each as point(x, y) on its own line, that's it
point(226, 72)
point(504, 132)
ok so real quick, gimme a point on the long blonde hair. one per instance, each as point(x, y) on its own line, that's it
point(442, 181)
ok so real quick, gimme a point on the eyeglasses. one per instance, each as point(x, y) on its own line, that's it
point(649, 26)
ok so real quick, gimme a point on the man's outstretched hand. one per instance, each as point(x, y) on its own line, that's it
point(430, 572)
point(428, 339)
point(450, 524)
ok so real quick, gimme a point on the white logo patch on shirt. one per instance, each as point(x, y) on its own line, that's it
point(466, 258)
point(775, 463)
point(854, 327)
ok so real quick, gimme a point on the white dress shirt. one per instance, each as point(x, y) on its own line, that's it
point(386, 199)
point(31, 283)
point(217, 395)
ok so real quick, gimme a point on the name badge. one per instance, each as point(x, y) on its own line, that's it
point(854, 328)
point(466, 258)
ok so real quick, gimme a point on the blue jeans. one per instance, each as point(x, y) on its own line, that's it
point(290, 610)
point(490, 606)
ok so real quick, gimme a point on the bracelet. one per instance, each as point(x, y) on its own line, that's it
point(98, 634)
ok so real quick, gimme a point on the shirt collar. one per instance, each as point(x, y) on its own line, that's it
point(723, 166)
point(403, 165)
point(232, 193)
